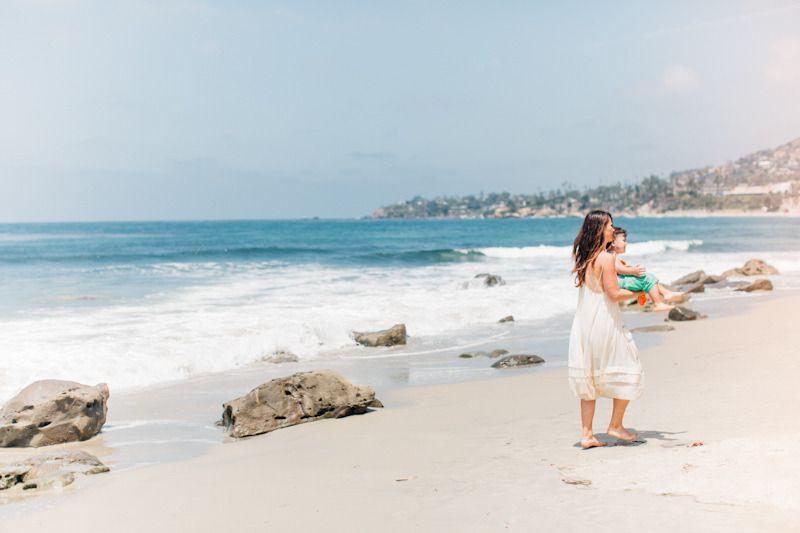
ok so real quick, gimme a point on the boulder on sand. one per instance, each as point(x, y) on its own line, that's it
point(387, 337)
point(490, 280)
point(49, 470)
point(683, 314)
point(513, 361)
point(754, 267)
point(758, 285)
point(52, 412)
point(296, 399)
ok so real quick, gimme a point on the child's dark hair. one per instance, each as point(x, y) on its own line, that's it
point(617, 231)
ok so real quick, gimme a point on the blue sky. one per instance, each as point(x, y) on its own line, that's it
point(117, 110)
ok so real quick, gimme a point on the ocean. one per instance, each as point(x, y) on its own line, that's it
point(134, 304)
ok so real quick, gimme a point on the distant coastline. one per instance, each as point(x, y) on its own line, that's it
point(765, 183)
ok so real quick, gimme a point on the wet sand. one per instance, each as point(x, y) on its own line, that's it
point(493, 454)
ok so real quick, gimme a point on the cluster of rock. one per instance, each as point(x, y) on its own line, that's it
point(697, 281)
point(51, 412)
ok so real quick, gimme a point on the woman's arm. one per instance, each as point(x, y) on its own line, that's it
point(609, 279)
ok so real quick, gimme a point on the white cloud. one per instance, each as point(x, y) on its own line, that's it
point(679, 79)
point(784, 60)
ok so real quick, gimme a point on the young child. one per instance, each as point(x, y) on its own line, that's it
point(636, 278)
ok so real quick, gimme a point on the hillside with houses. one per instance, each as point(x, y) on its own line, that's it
point(767, 181)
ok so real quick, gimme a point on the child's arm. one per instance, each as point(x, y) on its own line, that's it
point(624, 268)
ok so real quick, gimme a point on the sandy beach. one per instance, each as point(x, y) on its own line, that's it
point(499, 454)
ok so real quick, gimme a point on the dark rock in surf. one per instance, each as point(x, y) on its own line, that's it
point(491, 280)
point(509, 318)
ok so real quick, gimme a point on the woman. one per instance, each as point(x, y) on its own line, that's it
point(603, 360)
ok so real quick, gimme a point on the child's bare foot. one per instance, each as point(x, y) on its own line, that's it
point(662, 307)
point(621, 433)
point(676, 297)
point(591, 442)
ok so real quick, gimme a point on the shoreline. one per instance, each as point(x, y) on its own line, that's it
point(452, 422)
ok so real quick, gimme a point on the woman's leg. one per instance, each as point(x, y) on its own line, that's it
point(615, 428)
point(588, 440)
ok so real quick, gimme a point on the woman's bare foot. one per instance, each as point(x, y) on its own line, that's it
point(591, 442)
point(662, 307)
point(621, 433)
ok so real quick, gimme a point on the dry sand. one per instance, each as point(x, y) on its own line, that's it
point(500, 454)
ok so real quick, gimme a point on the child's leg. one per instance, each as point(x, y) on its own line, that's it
point(666, 293)
point(655, 293)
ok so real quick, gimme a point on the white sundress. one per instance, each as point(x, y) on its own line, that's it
point(603, 359)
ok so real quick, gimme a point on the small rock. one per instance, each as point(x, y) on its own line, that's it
point(491, 280)
point(758, 285)
point(694, 287)
point(513, 361)
point(281, 357)
point(690, 279)
point(296, 399)
point(492, 354)
point(509, 318)
point(682, 314)
point(754, 267)
point(653, 329)
point(48, 470)
point(387, 337)
point(581, 482)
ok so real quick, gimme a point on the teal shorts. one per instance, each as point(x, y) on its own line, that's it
point(637, 283)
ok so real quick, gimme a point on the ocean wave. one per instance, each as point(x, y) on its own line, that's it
point(522, 251)
point(414, 257)
point(199, 254)
point(657, 247)
point(560, 252)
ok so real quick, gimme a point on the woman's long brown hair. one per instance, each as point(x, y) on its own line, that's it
point(589, 243)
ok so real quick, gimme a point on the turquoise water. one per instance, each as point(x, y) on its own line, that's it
point(144, 302)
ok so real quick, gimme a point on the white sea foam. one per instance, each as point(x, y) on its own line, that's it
point(252, 311)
